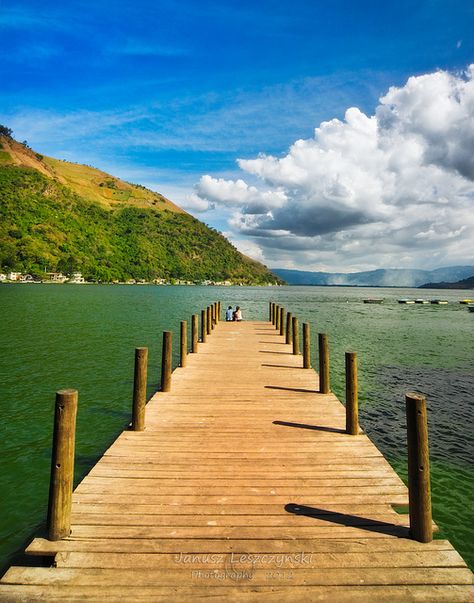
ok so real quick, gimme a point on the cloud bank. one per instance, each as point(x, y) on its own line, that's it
point(393, 189)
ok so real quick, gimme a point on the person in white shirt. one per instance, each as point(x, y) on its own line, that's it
point(229, 314)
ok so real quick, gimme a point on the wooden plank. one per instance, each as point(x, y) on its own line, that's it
point(259, 577)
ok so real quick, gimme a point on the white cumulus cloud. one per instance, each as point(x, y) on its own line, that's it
point(395, 188)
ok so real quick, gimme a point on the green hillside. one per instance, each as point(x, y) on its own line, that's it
point(46, 226)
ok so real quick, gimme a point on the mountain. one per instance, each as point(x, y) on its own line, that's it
point(467, 283)
point(61, 216)
point(375, 278)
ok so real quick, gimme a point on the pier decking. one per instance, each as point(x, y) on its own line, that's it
point(243, 487)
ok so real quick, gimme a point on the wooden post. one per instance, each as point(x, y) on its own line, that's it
point(62, 465)
point(273, 312)
point(194, 334)
point(289, 323)
point(208, 320)
point(282, 321)
point(217, 312)
point(277, 318)
point(213, 316)
point(352, 411)
point(306, 346)
point(270, 311)
point(296, 335)
point(139, 389)
point(166, 361)
point(421, 527)
point(203, 326)
point(183, 348)
point(323, 364)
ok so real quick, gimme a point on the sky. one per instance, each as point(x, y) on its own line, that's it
point(333, 135)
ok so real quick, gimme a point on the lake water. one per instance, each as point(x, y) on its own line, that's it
point(83, 337)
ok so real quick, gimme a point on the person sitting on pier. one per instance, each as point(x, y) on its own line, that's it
point(229, 314)
point(237, 314)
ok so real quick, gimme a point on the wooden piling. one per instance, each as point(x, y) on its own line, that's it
point(352, 396)
point(62, 465)
point(183, 348)
point(139, 389)
point(296, 335)
point(269, 311)
point(306, 346)
point(213, 316)
point(289, 323)
point(324, 386)
point(273, 313)
point(282, 321)
point(203, 326)
point(194, 333)
point(208, 321)
point(419, 494)
point(166, 361)
point(219, 311)
point(277, 318)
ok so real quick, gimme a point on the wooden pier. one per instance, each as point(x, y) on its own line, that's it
point(244, 486)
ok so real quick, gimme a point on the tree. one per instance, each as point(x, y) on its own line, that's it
point(4, 131)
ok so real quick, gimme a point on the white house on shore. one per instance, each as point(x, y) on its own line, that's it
point(77, 278)
point(14, 276)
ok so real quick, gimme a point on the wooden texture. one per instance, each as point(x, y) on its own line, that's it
point(244, 487)
point(282, 321)
point(139, 389)
point(296, 335)
point(306, 346)
point(183, 343)
point(418, 468)
point(62, 464)
point(194, 334)
point(166, 361)
point(352, 396)
point(324, 384)
point(203, 326)
point(289, 323)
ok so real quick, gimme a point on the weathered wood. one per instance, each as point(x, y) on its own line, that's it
point(203, 326)
point(277, 318)
point(324, 384)
point(208, 320)
point(289, 331)
point(183, 347)
point(270, 315)
point(139, 389)
point(166, 361)
point(282, 321)
point(296, 335)
point(306, 346)
point(194, 334)
point(352, 406)
point(418, 468)
point(273, 312)
point(62, 464)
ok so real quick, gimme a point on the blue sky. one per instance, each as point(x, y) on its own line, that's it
point(162, 93)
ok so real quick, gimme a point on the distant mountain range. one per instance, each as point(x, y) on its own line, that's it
point(377, 278)
point(467, 283)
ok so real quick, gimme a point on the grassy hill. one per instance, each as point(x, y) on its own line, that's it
point(60, 216)
point(466, 283)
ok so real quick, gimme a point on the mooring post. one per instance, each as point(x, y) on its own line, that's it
point(419, 494)
point(219, 311)
point(352, 396)
point(306, 346)
point(139, 389)
point(194, 334)
point(289, 322)
point(273, 313)
point(213, 316)
point(324, 386)
point(296, 335)
point(62, 465)
point(183, 348)
point(277, 318)
point(282, 321)
point(208, 320)
point(203, 326)
point(166, 361)
point(269, 311)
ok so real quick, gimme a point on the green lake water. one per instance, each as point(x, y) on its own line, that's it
point(83, 337)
